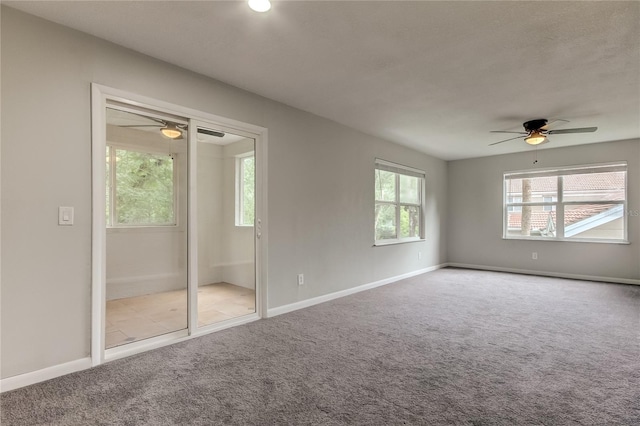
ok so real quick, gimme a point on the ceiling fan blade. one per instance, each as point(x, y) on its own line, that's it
point(506, 140)
point(210, 132)
point(555, 120)
point(506, 131)
point(576, 130)
point(157, 120)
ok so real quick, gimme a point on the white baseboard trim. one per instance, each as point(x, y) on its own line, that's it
point(272, 312)
point(173, 338)
point(546, 273)
point(26, 379)
point(118, 288)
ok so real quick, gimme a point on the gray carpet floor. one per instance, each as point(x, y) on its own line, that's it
point(449, 347)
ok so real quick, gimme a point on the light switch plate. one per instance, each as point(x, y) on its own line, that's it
point(65, 215)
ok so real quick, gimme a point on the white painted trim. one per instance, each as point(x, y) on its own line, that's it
point(118, 288)
point(175, 337)
point(48, 373)
point(546, 274)
point(26, 379)
point(222, 325)
point(260, 229)
point(98, 223)
point(226, 264)
point(342, 293)
point(100, 95)
point(192, 225)
point(228, 125)
point(138, 278)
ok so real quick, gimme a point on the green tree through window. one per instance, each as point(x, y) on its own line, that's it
point(245, 190)
point(398, 203)
point(141, 192)
point(248, 190)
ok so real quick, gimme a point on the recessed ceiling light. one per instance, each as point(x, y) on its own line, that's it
point(260, 5)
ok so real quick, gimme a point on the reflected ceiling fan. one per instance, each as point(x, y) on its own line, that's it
point(170, 129)
point(536, 131)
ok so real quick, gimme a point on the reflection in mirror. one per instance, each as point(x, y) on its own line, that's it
point(226, 245)
point(146, 237)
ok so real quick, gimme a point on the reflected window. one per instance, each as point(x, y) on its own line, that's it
point(140, 188)
point(245, 189)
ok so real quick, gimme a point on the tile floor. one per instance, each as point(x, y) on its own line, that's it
point(136, 318)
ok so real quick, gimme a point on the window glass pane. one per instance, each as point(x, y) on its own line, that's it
point(385, 185)
point(409, 189)
point(409, 221)
point(594, 187)
point(385, 221)
point(514, 200)
point(594, 221)
point(248, 190)
point(144, 188)
point(578, 207)
point(531, 222)
point(531, 189)
point(108, 185)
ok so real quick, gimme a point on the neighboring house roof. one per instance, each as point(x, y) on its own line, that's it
point(610, 181)
point(577, 220)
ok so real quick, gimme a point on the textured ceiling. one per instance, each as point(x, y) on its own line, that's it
point(435, 76)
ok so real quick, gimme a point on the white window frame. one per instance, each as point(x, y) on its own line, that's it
point(240, 188)
point(550, 207)
point(514, 200)
point(559, 204)
point(112, 222)
point(400, 169)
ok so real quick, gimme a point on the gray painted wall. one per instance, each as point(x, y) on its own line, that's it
point(320, 187)
point(475, 215)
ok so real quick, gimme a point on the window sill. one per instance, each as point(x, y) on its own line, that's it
point(395, 242)
point(569, 240)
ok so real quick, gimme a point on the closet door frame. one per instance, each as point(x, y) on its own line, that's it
point(101, 96)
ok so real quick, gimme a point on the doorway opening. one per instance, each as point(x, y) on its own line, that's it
point(177, 197)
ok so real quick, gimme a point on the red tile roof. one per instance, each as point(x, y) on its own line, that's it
point(610, 181)
point(575, 214)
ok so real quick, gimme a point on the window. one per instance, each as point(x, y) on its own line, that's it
point(245, 189)
point(140, 188)
point(398, 203)
point(571, 204)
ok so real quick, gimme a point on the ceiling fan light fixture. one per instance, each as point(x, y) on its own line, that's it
point(171, 131)
point(260, 5)
point(535, 138)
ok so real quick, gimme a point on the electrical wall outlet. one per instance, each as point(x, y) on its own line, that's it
point(419, 255)
point(534, 255)
point(300, 279)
